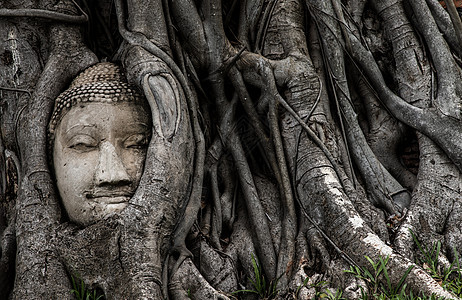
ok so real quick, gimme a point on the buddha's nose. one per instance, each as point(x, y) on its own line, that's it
point(110, 169)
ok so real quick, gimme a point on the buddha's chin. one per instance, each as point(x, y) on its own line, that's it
point(114, 205)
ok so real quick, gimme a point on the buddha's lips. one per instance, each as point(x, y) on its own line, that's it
point(108, 194)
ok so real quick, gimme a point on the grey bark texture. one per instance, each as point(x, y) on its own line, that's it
point(295, 137)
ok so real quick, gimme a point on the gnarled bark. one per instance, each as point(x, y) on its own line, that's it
point(276, 135)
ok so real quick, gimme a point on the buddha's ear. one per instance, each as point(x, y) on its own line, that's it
point(163, 96)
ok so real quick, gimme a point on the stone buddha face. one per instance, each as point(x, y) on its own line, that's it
point(99, 149)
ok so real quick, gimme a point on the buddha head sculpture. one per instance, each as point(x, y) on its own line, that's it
point(99, 134)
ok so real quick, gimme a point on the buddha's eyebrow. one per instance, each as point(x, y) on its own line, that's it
point(137, 125)
point(80, 127)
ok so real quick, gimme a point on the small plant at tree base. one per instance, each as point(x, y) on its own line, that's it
point(261, 287)
point(81, 292)
point(318, 286)
point(430, 257)
point(379, 283)
point(331, 296)
point(322, 292)
point(449, 277)
point(377, 288)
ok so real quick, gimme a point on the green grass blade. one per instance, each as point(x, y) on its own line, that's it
point(383, 266)
point(403, 278)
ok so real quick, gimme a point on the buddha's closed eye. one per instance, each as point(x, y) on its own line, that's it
point(82, 143)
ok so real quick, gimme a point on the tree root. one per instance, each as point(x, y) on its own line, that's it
point(189, 281)
point(44, 14)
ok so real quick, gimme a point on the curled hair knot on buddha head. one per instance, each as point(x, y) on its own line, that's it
point(103, 82)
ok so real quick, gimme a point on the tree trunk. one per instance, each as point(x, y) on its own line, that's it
point(278, 147)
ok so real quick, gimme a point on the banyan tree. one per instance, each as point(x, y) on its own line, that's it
point(171, 149)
